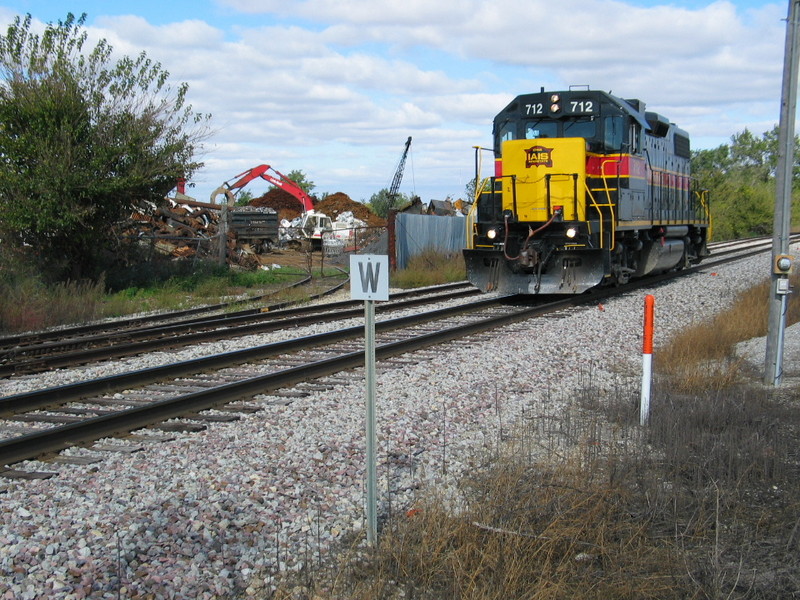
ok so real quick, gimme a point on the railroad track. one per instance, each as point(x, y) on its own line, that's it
point(83, 412)
point(69, 349)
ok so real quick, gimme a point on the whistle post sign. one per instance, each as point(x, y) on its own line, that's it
point(369, 277)
point(369, 281)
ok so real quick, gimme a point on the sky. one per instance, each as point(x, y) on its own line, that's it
point(334, 88)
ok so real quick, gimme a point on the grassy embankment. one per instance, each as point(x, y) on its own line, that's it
point(28, 304)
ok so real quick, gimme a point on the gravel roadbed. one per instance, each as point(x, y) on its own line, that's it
point(217, 514)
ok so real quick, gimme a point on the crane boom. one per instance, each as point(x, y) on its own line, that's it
point(398, 174)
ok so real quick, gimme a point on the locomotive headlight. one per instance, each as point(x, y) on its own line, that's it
point(554, 108)
point(555, 98)
point(571, 232)
point(491, 234)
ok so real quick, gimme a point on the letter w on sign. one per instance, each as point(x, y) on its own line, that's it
point(369, 277)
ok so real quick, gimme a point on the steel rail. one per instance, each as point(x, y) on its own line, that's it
point(123, 422)
point(79, 330)
point(62, 340)
point(184, 334)
point(36, 399)
point(29, 400)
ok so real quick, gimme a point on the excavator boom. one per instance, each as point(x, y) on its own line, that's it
point(271, 175)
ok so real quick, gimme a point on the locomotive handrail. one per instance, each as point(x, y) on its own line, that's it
point(610, 203)
point(480, 188)
point(604, 177)
point(600, 213)
point(549, 200)
point(702, 195)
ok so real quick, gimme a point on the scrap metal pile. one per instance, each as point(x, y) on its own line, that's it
point(185, 228)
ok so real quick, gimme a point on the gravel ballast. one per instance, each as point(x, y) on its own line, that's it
point(216, 514)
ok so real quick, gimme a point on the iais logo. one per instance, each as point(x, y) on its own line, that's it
point(538, 156)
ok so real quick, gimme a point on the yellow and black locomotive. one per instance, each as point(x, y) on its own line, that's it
point(589, 189)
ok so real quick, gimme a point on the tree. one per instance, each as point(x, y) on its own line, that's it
point(244, 197)
point(740, 177)
point(83, 143)
point(380, 203)
point(302, 180)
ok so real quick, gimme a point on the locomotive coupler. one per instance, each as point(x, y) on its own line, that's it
point(529, 257)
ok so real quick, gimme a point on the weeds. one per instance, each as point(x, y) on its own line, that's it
point(703, 356)
point(701, 504)
point(432, 267)
point(28, 304)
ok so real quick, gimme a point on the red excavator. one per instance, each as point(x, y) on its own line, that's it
point(271, 175)
point(313, 225)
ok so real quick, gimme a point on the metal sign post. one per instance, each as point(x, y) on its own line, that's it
point(369, 281)
point(781, 261)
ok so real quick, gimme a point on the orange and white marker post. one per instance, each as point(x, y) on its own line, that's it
point(647, 358)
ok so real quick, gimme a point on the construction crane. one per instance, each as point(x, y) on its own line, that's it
point(398, 175)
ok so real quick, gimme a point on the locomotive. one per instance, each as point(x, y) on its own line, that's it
point(588, 189)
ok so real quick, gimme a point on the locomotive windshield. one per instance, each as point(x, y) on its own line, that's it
point(541, 129)
point(546, 128)
point(581, 127)
point(604, 134)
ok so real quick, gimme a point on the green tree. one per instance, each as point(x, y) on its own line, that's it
point(244, 197)
point(84, 141)
point(302, 180)
point(469, 190)
point(379, 202)
point(740, 177)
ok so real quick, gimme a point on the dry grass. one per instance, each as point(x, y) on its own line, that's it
point(586, 504)
point(28, 304)
point(703, 357)
point(529, 531)
point(432, 267)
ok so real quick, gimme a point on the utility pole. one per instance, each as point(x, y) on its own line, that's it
point(781, 261)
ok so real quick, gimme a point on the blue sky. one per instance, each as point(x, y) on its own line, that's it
point(334, 87)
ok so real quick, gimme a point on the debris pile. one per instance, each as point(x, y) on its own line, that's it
point(177, 230)
point(287, 206)
point(338, 203)
point(189, 228)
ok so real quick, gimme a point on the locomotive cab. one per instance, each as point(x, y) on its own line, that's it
point(584, 193)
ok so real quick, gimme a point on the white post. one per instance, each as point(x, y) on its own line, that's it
point(369, 281)
point(369, 365)
point(647, 359)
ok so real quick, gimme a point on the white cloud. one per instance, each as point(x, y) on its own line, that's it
point(185, 35)
point(334, 87)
